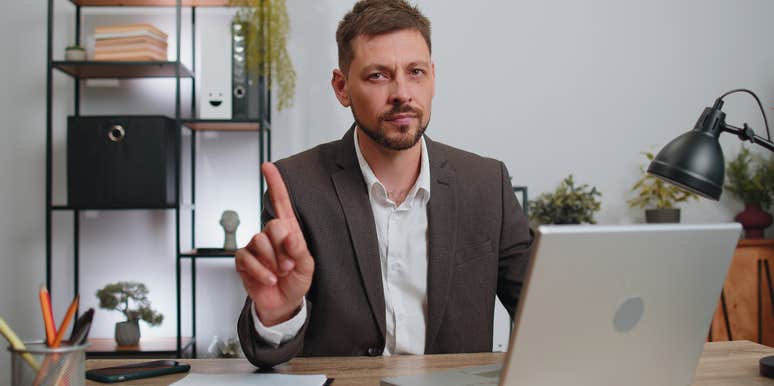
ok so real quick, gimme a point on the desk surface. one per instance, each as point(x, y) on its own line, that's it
point(722, 363)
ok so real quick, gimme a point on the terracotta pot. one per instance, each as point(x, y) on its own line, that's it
point(754, 220)
point(128, 333)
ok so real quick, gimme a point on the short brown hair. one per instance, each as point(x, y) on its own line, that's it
point(377, 17)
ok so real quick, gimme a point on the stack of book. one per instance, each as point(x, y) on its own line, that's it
point(132, 42)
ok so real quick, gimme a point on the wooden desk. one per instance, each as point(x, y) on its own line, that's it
point(747, 296)
point(723, 363)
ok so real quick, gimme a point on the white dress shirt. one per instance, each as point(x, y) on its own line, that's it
point(401, 231)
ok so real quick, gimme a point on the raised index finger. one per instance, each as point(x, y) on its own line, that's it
point(278, 193)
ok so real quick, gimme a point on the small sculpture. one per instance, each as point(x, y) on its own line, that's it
point(229, 220)
point(227, 349)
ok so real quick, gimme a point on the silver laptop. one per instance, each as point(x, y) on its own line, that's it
point(609, 305)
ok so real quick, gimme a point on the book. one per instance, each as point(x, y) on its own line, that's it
point(130, 47)
point(135, 56)
point(128, 34)
point(128, 41)
point(129, 28)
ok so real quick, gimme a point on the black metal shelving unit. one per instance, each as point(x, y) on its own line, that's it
point(134, 70)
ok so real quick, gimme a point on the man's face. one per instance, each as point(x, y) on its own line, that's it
point(390, 86)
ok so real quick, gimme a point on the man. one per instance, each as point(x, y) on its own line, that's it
point(383, 242)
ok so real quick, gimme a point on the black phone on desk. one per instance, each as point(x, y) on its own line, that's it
point(137, 371)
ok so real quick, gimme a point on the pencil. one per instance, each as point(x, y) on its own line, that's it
point(67, 318)
point(17, 344)
point(48, 315)
point(43, 372)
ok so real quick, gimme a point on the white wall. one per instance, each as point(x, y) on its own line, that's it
point(22, 170)
point(550, 87)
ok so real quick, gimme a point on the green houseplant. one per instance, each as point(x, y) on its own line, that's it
point(750, 178)
point(268, 55)
point(568, 204)
point(658, 197)
point(131, 299)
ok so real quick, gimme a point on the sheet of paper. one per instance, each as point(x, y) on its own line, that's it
point(251, 380)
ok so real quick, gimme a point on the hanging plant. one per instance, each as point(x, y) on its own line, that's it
point(267, 55)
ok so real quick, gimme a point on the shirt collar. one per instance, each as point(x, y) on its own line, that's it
point(421, 186)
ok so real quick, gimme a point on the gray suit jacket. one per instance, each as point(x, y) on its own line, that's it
point(479, 243)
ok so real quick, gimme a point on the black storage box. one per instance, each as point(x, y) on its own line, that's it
point(121, 162)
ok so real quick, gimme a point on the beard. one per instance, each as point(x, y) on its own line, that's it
point(405, 140)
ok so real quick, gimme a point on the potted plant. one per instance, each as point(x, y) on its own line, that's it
point(568, 204)
point(751, 180)
point(658, 197)
point(131, 299)
point(268, 55)
point(75, 53)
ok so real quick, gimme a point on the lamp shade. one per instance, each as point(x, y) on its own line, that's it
point(693, 161)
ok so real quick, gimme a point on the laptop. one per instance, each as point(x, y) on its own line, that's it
point(609, 305)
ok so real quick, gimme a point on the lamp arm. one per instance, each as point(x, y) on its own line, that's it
point(719, 104)
point(747, 134)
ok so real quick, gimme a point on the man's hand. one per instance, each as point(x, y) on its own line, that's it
point(275, 266)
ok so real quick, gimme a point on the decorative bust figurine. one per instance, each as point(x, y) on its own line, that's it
point(229, 220)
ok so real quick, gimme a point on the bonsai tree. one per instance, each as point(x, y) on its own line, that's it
point(129, 298)
point(268, 55)
point(751, 178)
point(568, 204)
point(655, 193)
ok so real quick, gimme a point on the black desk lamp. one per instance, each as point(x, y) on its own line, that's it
point(695, 162)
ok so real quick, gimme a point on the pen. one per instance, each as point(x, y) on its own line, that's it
point(17, 344)
point(80, 332)
point(68, 316)
point(48, 315)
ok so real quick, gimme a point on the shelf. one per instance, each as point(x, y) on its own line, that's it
point(149, 3)
point(148, 347)
point(755, 242)
point(208, 254)
point(122, 70)
point(222, 124)
point(175, 70)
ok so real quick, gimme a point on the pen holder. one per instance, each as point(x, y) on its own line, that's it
point(39, 365)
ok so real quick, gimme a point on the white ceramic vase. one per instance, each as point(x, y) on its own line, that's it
point(75, 55)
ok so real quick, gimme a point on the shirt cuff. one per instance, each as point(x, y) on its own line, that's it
point(283, 332)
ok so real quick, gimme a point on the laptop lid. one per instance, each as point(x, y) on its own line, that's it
point(618, 305)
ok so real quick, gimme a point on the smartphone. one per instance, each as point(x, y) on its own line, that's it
point(136, 371)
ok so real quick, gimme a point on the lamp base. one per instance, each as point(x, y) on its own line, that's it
point(767, 366)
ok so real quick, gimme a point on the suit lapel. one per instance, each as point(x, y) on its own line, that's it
point(353, 196)
point(442, 231)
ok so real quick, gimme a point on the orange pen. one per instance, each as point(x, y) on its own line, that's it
point(48, 315)
point(67, 318)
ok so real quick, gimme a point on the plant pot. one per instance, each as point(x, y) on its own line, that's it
point(128, 333)
point(662, 215)
point(754, 220)
point(75, 55)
